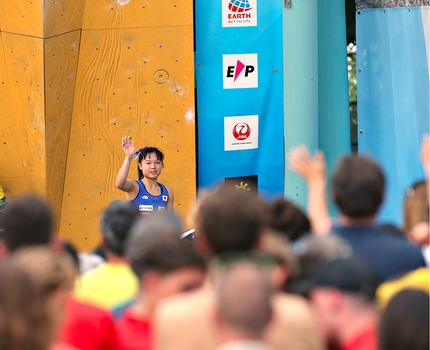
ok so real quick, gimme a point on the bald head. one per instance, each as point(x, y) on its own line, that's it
point(243, 300)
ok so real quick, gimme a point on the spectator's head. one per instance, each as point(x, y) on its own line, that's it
point(358, 187)
point(278, 247)
point(342, 293)
point(405, 322)
point(243, 301)
point(117, 221)
point(27, 221)
point(288, 219)
point(313, 251)
point(24, 320)
point(71, 251)
point(164, 263)
point(416, 213)
point(229, 220)
point(53, 274)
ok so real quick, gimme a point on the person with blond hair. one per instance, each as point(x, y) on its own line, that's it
point(24, 321)
point(53, 277)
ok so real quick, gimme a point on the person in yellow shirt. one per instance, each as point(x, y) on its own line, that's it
point(112, 285)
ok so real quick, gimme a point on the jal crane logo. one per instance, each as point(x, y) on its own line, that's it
point(241, 131)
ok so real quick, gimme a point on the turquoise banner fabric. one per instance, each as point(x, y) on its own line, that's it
point(393, 95)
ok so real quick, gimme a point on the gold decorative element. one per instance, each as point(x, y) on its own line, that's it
point(242, 186)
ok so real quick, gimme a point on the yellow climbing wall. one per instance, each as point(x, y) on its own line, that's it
point(74, 83)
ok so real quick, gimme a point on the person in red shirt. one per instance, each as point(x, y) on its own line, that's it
point(165, 266)
point(342, 293)
point(88, 327)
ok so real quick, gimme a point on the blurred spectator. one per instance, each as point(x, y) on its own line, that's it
point(312, 252)
point(416, 216)
point(287, 266)
point(24, 320)
point(405, 322)
point(243, 307)
point(230, 221)
point(112, 285)
point(342, 292)
point(85, 326)
point(313, 170)
point(417, 279)
point(88, 327)
point(90, 260)
point(288, 219)
point(165, 266)
point(416, 211)
point(53, 277)
point(27, 221)
point(358, 190)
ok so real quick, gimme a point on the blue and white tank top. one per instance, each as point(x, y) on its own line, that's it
point(147, 203)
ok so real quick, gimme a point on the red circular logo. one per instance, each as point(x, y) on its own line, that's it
point(241, 131)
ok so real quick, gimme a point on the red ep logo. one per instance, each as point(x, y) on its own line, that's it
point(241, 131)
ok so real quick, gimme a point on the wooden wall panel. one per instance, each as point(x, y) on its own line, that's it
point(12, 177)
point(61, 63)
point(137, 13)
point(62, 16)
point(24, 65)
point(22, 17)
point(136, 82)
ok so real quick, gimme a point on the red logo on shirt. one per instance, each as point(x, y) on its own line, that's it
point(165, 198)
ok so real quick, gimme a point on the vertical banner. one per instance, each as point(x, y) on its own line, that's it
point(393, 95)
point(240, 94)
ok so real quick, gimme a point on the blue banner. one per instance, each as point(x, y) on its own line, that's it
point(240, 93)
point(393, 96)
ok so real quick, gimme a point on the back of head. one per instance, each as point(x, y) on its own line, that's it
point(405, 322)
point(155, 244)
point(117, 221)
point(358, 186)
point(244, 299)
point(231, 219)
point(313, 251)
point(24, 320)
point(27, 221)
point(49, 269)
point(288, 219)
point(352, 275)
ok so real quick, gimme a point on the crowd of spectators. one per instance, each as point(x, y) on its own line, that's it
point(254, 275)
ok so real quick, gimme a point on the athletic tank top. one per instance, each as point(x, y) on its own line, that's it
point(147, 203)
